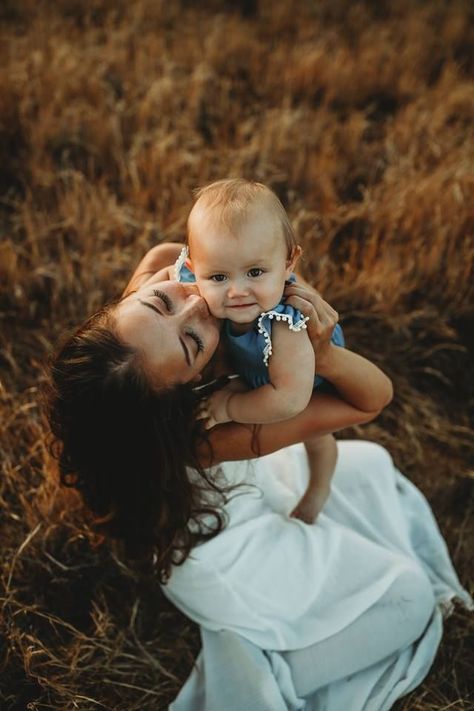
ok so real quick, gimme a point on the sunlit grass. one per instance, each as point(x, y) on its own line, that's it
point(360, 117)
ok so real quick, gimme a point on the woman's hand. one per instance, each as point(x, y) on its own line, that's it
point(322, 319)
point(357, 380)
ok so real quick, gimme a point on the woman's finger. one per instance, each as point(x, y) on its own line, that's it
point(323, 315)
point(322, 311)
point(308, 295)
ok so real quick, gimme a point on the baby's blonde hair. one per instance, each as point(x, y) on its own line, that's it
point(231, 199)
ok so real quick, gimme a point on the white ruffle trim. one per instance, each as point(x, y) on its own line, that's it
point(179, 263)
point(287, 318)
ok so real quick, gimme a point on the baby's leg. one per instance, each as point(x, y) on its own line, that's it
point(322, 457)
point(397, 619)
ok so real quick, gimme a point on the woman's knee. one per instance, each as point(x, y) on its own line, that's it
point(363, 461)
point(414, 597)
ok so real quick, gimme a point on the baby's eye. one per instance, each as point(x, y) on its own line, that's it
point(255, 272)
point(218, 277)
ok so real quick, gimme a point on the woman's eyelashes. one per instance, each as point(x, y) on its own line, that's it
point(189, 332)
point(164, 298)
point(197, 339)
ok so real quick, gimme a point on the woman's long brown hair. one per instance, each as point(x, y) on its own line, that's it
point(127, 448)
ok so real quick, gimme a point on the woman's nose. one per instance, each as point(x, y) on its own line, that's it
point(193, 305)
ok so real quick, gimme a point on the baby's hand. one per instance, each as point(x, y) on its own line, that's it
point(214, 408)
point(310, 506)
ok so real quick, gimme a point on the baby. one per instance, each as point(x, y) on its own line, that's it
point(241, 252)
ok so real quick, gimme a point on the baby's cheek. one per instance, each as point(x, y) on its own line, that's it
point(201, 285)
point(215, 307)
point(213, 299)
point(272, 295)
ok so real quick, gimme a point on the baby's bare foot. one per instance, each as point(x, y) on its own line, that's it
point(310, 506)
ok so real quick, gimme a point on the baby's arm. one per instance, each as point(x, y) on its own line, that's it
point(291, 372)
point(363, 390)
point(322, 457)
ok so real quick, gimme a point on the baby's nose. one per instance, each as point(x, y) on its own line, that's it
point(236, 288)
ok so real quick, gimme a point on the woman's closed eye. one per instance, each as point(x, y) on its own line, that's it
point(164, 298)
point(197, 340)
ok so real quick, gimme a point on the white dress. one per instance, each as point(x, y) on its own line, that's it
point(374, 563)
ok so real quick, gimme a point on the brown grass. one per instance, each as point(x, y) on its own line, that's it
point(360, 116)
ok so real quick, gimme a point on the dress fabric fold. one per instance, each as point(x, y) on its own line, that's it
point(346, 613)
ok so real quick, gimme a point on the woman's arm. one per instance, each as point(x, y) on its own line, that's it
point(325, 414)
point(358, 381)
point(157, 259)
point(367, 388)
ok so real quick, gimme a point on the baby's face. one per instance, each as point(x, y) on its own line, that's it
point(239, 274)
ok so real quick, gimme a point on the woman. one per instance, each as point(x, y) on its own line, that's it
point(125, 389)
point(124, 398)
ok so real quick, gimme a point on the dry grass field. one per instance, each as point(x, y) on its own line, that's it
point(360, 116)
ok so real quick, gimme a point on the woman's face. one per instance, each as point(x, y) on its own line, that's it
point(170, 324)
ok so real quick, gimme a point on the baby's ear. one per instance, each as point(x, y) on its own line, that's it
point(296, 253)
